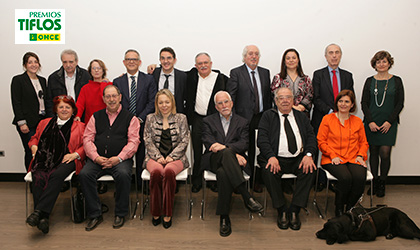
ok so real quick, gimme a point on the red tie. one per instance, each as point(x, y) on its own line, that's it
point(335, 85)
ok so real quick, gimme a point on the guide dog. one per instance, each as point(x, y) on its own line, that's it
point(364, 224)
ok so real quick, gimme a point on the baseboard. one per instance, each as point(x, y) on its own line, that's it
point(393, 180)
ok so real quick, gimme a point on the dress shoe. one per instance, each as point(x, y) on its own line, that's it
point(196, 188)
point(283, 221)
point(102, 188)
point(258, 188)
point(225, 228)
point(295, 221)
point(93, 223)
point(253, 205)
point(156, 222)
point(44, 225)
point(167, 224)
point(33, 219)
point(118, 222)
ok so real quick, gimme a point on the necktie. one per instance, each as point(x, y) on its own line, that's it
point(133, 93)
point(257, 98)
point(291, 139)
point(335, 85)
point(166, 84)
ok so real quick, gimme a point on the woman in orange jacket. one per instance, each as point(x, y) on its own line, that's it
point(342, 141)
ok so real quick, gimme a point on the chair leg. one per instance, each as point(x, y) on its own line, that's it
point(315, 202)
point(203, 201)
point(265, 200)
point(143, 205)
point(71, 202)
point(26, 195)
point(326, 197)
point(137, 196)
point(371, 193)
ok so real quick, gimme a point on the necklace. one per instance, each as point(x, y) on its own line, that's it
point(375, 92)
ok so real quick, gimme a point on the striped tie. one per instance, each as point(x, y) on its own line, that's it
point(133, 93)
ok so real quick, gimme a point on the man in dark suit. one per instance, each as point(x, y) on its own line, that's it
point(170, 78)
point(287, 143)
point(138, 96)
point(225, 136)
point(327, 83)
point(249, 86)
point(67, 80)
point(202, 84)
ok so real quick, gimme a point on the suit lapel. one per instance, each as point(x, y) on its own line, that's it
point(329, 85)
point(247, 78)
point(125, 88)
point(30, 87)
point(232, 127)
point(140, 86)
point(219, 127)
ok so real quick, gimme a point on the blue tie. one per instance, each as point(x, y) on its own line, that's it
point(133, 92)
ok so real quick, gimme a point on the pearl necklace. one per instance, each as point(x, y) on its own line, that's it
point(375, 92)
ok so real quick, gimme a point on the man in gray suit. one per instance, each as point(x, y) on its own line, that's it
point(249, 86)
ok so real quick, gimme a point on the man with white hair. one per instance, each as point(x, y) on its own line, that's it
point(225, 136)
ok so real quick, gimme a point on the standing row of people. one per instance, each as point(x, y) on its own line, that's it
point(250, 93)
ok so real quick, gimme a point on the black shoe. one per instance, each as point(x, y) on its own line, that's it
point(44, 225)
point(33, 219)
point(295, 221)
point(156, 222)
point(258, 188)
point(381, 189)
point(283, 221)
point(196, 188)
point(225, 228)
point(167, 224)
point(102, 188)
point(65, 187)
point(253, 205)
point(93, 223)
point(104, 208)
point(118, 222)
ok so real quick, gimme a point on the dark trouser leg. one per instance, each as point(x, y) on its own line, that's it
point(224, 195)
point(358, 174)
point(273, 185)
point(197, 143)
point(88, 179)
point(156, 192)
point(46, 193)
point(303, 185)
point(122, 176)
point(25, 140)
point(253, 125)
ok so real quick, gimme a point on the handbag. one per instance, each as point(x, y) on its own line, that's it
point(79, 213)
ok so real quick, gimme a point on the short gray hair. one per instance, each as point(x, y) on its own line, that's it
point(331, 44)
point(245, 51)
point(281, 88)
point(69, 52)
point(220, 92)
point(202, 53)
point(132, 50)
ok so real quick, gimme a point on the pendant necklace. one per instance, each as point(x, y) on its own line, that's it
point(376, 93)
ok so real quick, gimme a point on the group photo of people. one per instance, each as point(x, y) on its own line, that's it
point(78, 120)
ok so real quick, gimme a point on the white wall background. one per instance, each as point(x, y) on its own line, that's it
point(106, 29)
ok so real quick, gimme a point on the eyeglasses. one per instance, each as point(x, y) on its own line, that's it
point(61, 97)
point(284, 97)
point(111, 96)
point(131, 59)
point(96, 68)
point(223, 102)
point(203, 63)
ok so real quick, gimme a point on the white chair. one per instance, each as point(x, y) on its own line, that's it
point(330, 177)
point(210, 176)
point(28, 180)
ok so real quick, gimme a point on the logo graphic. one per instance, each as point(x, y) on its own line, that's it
point(40, 26)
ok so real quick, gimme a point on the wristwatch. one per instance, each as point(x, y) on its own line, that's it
point(309, 154)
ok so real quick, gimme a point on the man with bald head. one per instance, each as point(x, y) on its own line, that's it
point(327, 83)
point(249, 86)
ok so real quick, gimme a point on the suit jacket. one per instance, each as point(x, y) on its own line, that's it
point(323, 93)
point(146, 91)
point(75, 142)
point(192, 85)
point(25, 100)
point(236, 138)
point(57, 86)
point(180, 86)
point(241, 89)
point(269, 133)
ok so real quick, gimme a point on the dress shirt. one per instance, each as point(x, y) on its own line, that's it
point(283, 146)
point(257, 77)
point(132, 142)
point(225, 122)
point(204, 91)
point(171, 81)
point(70, 81)
point(136, 77)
